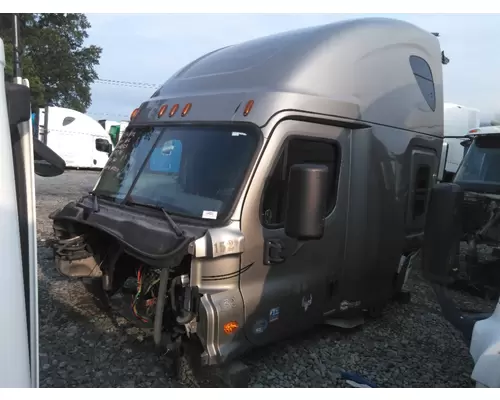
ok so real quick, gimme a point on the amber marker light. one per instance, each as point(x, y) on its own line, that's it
point(173, 110)
point(162, 110)
point(248, 108)
point(134, 114)
point(186, 109)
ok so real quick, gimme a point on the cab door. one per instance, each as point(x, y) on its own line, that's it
point(288, 284)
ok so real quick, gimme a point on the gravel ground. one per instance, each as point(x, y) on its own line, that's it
point(80, 346)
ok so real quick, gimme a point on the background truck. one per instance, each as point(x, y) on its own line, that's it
point(79, 139)
point(22, 157)
point(458, 121)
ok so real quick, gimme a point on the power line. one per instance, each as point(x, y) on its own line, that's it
point(142, 85)
point(108, 114)
point(115, 82)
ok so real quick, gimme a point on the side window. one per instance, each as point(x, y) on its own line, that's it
point(421, 191)
point(68, 120)
point(102, 145)
point(421, 181)
point(423, 75)
point(297, 151)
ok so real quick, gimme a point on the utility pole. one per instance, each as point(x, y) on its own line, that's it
point(17, 50)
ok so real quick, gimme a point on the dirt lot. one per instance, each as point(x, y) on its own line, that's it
point(80, 346)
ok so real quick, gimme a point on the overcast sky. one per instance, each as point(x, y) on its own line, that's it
point(150, 48)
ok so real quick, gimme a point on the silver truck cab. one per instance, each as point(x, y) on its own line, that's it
point(299, 191)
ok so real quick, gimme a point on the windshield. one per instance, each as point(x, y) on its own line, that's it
point(481, 163)
point(190, 171)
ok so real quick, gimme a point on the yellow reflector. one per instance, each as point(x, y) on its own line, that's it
point(230, 327)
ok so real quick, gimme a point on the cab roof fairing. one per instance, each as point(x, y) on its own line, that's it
point(332, 69)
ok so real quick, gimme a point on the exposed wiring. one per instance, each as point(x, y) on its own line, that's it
point(149, 303)
point(137, 296)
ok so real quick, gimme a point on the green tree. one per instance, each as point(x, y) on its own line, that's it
point(54, 59)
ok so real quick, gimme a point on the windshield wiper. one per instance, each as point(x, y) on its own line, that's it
point(95, 202)
point(178, 231)
point(95, 199)
point(175, 227)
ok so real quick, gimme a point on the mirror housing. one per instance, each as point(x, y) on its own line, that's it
point(18, 103)
point(47, 162)
point(306, 201)
point(103, 145)
point(443, 229)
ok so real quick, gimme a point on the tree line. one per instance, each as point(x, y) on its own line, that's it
point(55, 58)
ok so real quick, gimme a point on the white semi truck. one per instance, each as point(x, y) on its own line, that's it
point(458, 121)
point(22, 156)
point(79, 139)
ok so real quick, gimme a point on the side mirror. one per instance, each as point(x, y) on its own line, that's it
point(443, 230)
point(306, 201)
point(18, 103)
point(47, 162)
point(103, 145)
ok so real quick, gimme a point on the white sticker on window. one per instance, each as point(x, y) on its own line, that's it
point(209, 215)
point(238, 134)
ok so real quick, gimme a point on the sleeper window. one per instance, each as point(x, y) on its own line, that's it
point(423, 75)
point(68, 120)
point(422, 185)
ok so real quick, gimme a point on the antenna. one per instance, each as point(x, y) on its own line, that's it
point(444, 60)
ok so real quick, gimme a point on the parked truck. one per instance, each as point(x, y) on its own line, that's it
point(22, 157)
point(115, 129)
point(306, 160)
point(478, 177)
point(79, 139)
point(458, 121)
point(467, 210)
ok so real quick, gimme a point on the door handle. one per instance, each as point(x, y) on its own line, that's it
point(273, 250)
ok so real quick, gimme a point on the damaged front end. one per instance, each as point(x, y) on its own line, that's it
point(159, 219)
point(114, 245)
point(480, 274)
point(479, 178)
point(184, 276)
point(480, 330)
